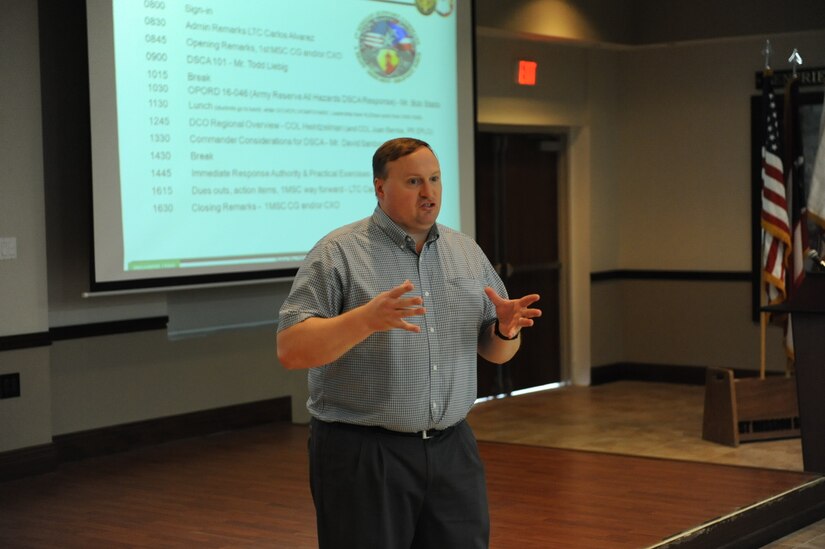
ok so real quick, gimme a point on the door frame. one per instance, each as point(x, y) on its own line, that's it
point(559, 136)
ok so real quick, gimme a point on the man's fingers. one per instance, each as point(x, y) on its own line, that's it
point(409, 302)
point(401, 289)
point(404, 313)
point(528, 300)
point(497, 300)
point(531, 313)
point(410, 327)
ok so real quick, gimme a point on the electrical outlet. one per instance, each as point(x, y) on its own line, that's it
point(8, 247)
point(9, 385)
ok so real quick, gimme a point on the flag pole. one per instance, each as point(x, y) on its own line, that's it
point(763, 332)
point(763, 316)
point(797, 226)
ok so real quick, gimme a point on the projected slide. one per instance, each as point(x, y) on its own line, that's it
point(245, 129)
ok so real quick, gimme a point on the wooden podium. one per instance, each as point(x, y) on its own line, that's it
point(807, 307)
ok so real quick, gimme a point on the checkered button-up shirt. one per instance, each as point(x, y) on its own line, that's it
point(400, 380)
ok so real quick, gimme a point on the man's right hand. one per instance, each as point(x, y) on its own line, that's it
point(317, 341)
point(387, 310)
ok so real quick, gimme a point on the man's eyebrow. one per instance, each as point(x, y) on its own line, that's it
point(419, 174)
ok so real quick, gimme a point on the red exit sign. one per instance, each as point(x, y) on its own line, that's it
point(526, 75)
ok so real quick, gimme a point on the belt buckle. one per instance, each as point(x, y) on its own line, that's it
point(426, 436)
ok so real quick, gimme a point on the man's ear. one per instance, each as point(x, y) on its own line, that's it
point(378, 183)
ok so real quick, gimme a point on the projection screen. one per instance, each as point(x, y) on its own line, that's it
point(228, 136)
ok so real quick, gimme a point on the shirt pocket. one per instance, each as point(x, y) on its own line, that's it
point(465, 297)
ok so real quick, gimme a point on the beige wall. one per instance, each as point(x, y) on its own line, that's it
point(680, 323)
point(80, 384)
point(24, 421)
point(646, 22)
point(27, 421)
point(685, 167)
point(110, 380)
point(22, 216)
point(591, 21)
point(659, 177)
point(684, 200)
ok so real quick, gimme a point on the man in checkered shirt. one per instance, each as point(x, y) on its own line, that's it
point(388, 314)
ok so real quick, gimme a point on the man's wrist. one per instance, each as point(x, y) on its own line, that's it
point(502, 336)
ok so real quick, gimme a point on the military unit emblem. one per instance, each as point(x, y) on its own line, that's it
point(388, 46)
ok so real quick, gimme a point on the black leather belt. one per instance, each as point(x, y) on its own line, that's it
point(425, 435)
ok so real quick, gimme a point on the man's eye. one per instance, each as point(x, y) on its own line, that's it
point(414, 181)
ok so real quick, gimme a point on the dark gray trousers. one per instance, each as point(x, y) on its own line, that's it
point(377, 489)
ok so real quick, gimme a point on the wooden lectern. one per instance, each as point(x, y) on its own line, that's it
point(807, 307)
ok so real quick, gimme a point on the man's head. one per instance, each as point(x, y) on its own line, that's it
point(407, 179)
point(393, 150)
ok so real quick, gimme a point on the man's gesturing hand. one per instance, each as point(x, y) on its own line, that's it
point(388, 310)
point(513, 314)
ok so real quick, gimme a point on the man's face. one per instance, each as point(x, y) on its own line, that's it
point(410, 194)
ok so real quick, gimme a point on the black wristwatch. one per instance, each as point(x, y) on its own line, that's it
point(504, 337)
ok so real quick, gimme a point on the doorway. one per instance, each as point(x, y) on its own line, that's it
point(517, 226)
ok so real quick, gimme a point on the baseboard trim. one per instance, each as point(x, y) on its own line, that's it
point(694, 276)
point(662, 373)
point(26, 462)
point(120, 438)
point(115, 327)
point(60, 333)
point(25, 341)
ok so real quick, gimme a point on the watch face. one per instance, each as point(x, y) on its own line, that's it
point(425, 6)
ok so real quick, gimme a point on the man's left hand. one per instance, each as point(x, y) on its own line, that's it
point(513, 314)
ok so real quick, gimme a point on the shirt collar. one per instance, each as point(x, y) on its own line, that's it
point(398, 235)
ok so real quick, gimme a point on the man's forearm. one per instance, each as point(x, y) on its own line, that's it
point(318, 341)
point(495, 349)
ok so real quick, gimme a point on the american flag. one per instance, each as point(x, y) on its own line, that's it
point(372, 40)
point(776, 235)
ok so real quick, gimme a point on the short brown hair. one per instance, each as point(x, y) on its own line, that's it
point(393, 150)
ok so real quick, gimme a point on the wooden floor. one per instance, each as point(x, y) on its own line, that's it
point(812, 537)
point(626, 417)
point(249, 489)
